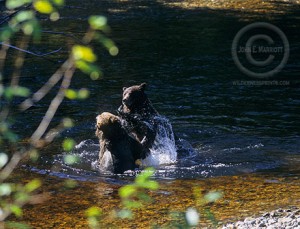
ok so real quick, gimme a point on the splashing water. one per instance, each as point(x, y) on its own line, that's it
point(164, 149)
point(106, 162)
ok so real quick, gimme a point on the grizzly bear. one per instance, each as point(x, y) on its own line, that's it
point(118, 150)
point(139, 115)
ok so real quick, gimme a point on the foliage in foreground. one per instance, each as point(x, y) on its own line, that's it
point(137, 196)
point(23, 24)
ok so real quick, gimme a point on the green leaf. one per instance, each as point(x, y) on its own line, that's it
point(151, 185)
point(58, 2)
point(145, 175)
point(132, 204)
point(54, 16)
point(67, 122)
point(71, 94)
point(34, 155)
point(71, 159)
point(28, 27)
point(97, 22)
point(16, 225)
point(12, 4)
point(192, 217)
point(89, 69)
point(21, 196)
point(68, 144)
point(212, 196)
point(33, 185)
point(113, 50)
point(5, 189)
point(83, 93)
point(6, 34)
point(16, 210)
point(10, 92)
point(127, 191)
point(125, 214)
point(93, 212)
point(144, 197)
point(24, 16)
point(10, 136)
point(84, 53)
point(70, 184)
point(43, 6)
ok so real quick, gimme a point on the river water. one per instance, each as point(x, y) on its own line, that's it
point(228, 125)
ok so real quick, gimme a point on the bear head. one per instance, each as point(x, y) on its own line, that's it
point(108, 125)
point(134, 97)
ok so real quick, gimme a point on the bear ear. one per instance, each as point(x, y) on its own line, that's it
point(124, 88)
point(143, 86)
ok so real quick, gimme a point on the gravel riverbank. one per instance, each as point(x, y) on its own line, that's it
point(278, 219)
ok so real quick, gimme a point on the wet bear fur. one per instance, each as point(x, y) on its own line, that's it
point(117, 144)
point(139, 115)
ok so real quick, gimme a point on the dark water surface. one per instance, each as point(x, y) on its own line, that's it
point(184, 55)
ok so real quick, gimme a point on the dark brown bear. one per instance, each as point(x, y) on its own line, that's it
point(118, 150)
point(139, 115)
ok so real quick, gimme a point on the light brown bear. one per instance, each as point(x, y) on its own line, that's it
point(118, 150)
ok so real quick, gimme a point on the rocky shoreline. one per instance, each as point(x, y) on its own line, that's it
point(277, 219)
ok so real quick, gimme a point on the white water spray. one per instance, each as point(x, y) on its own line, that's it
point(163, 150)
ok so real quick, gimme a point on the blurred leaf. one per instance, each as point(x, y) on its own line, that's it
point(212, 196)
point(43, 6)
point(12, 4)
point(71, 94)
point(3, 159)
point(10, 92)
point(16, 210)
point(16, 225)
point(151, 185)
point(96, 74)
point(70, 159)
point(83, 93)
point(113, 50)
point(145, 175)
point(33, 185)
point(21, 196)
point(192, 217)
point(24, 15)
point(6, 34)
point(68, 144)
point(132, 204)
point(5, 189)
point(83, 53)
point(127, 190)
point(9, 135)
point(125, 214)
point(34, 155)
point(70, 184)
point(93, 212)
point(36, 30)
point(97, 22)
point(58, 2)
point(67, 122)
point(144, 197)
point(28, 27)
point(89, 69)
point(54, 16)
